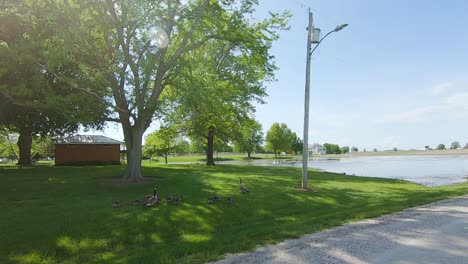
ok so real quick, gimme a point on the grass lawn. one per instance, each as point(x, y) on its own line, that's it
point(65, 215)
point(200, 158)
point(197, 158)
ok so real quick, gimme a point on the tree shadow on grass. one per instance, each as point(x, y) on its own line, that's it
point(388, 239)
point(70, 218)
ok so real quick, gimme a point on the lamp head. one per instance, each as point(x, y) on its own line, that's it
point(338, 28)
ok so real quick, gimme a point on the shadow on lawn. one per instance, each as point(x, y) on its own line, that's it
point(80, 226)
point(398, 233)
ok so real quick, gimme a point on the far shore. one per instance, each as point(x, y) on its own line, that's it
point(401, 153)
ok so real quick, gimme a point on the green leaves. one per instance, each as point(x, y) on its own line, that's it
point(36, 70)
point(250, 138)
point(163, 142)
point(332, 148)
point(278, 138)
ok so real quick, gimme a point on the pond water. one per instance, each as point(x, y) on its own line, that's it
point(429, 170)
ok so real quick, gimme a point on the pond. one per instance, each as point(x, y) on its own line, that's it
point(429, 170)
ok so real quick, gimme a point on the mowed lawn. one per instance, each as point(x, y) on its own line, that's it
point(201, 159)
point(65, 214)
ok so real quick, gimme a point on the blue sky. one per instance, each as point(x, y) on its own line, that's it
point(397, 76)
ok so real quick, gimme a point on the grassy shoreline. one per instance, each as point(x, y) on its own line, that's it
point(436, 152)
point(64, 214)
point(200, 158)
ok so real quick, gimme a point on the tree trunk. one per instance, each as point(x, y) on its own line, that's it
point(248, 154)
point(276, 154)
point(133, 141)
point(24, 145)
point(165, 157)
point(209, 147)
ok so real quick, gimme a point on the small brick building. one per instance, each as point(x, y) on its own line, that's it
point(87, 150)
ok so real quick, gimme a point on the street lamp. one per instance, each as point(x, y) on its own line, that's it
point(338, 28)
point(313, 37)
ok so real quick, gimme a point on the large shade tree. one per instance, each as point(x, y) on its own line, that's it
point(212, 98)
point(34, 101)
point(139, 48)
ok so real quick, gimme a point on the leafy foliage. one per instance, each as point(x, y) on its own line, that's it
point(332, 148)
point(455, 145)
point(8, 147)
point(441, 146)
point(164, 142)
point(35, 98)
point(345, 149)
point(43, 147)
point(296, 143)
point(250, 139)
point(116, 40)
point(278, 138)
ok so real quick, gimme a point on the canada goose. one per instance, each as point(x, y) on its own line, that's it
point(142, 201)
point(168, 199)
point(177, 200)
point(214, 199)
point(116, 204)
point(153, 199)
point(229, 199)
point(242, 187)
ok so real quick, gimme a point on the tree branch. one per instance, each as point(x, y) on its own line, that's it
point(162, 69)
point(183, 45)
point(116, 120)
point(74, 86)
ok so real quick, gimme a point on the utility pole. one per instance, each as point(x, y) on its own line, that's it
point(305, 148)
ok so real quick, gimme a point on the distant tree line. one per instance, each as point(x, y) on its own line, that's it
point(453, 145)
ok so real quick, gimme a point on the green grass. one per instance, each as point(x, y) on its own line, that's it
point(199, 158)
point(64, 214)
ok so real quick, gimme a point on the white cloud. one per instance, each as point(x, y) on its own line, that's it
point(441, 88)
point(452, 106)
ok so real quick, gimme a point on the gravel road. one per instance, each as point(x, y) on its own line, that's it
point(433, 233)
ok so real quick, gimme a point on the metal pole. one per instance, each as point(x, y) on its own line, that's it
point(305, 148)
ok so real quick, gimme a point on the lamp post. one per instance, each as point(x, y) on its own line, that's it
point(313, 37)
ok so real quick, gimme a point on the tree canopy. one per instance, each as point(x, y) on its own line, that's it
point(250, 138)
point(278, 138)
point(140, 48)
point(296, 143)
point(163, 142)
point(345, 149)
point(34, 99)
point(455, 145)
point(332, 148)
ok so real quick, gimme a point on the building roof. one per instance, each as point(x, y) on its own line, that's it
point(88, 139)
point(315, 145)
